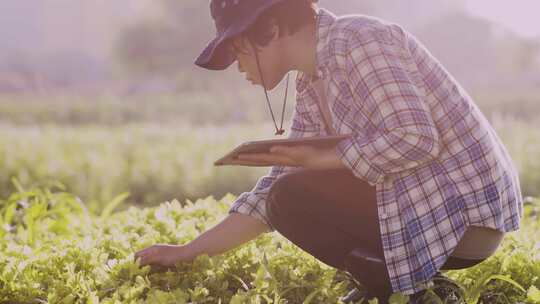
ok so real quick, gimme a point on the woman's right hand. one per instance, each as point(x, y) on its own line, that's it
point(234, 230)
point(165, 255)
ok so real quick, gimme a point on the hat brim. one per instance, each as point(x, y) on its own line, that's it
point(215, 55)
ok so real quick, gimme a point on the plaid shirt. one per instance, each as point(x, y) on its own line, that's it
point(437, 164)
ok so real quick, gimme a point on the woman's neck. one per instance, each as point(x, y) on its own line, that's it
point(299, 45)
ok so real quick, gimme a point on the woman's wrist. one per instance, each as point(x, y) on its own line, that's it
point(333, 160)
point(188, 251)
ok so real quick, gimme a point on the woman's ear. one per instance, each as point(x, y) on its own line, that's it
point(241, 44)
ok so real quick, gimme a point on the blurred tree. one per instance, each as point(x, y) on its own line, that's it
point(468, 46)
point(169, 44)
point(465, 45)
point(529, 50)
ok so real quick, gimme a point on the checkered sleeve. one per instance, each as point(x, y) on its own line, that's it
point(253, 203)
point(399, 130)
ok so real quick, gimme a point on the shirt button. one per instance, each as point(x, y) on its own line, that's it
point(390, 253)
point(384, 215)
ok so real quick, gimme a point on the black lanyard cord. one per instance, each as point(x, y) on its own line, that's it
point(284, 101)
point(279, 131)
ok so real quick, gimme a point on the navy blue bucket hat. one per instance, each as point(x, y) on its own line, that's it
point(231, 17)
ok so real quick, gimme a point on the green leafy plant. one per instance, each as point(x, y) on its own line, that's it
point(55, 251)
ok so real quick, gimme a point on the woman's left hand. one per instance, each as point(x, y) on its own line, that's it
point(298, 156)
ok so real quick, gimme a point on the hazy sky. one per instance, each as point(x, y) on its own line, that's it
point(518, 15)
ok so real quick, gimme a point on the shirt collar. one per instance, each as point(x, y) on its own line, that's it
point(324, 20)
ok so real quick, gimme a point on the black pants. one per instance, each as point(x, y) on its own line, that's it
point(328, 213)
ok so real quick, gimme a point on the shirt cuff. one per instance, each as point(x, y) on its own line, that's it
point(253, 205)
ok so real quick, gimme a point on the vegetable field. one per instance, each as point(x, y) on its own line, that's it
point(54, 250)
point(78, 201)
point(160, 162)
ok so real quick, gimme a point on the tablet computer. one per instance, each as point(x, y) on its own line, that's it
point(263, 146)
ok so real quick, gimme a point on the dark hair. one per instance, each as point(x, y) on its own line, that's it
point(290, 15)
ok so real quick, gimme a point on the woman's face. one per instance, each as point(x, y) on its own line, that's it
point(269, 59)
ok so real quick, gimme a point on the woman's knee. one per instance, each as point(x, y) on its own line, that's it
point(279, 199)
point(297, 186)
point(285, 194)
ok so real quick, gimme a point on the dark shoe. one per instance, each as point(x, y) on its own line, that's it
point(370, 270)
point(444, 288)
point(354, 295)
point(357, 293)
